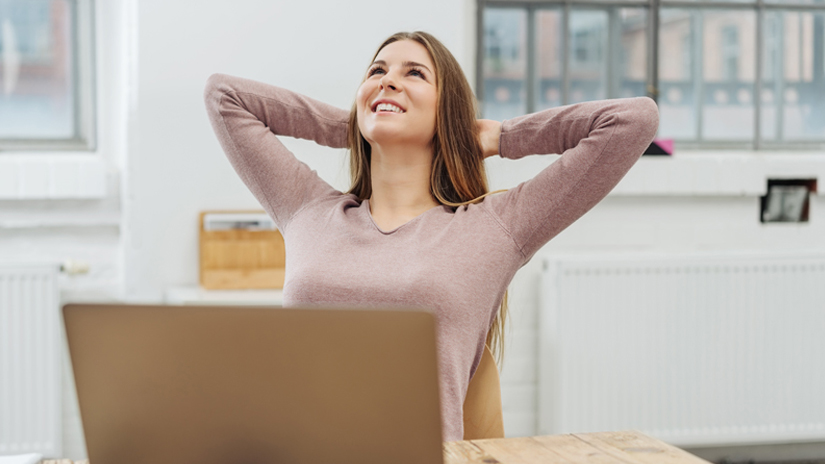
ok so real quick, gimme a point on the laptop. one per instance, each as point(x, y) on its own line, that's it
point(244, 385)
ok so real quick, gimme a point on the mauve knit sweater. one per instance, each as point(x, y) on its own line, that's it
point(457, 262)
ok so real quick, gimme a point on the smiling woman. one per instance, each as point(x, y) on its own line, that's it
point(418, 227)
point(438, 136)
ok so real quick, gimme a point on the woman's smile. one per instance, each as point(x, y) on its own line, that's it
point(385, 105)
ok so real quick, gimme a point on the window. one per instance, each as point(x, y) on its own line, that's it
point(746, 74)
point(46, 75)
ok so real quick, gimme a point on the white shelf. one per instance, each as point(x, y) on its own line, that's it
point(195, 295)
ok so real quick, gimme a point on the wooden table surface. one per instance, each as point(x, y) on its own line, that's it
point(627, 447)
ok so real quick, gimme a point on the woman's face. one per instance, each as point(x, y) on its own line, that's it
point(403, 76)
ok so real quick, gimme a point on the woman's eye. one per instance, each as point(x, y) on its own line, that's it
point(412, 71)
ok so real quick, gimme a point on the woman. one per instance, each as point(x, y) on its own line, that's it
point(399, 236)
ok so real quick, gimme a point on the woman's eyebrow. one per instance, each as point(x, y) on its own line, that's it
point(406, 64)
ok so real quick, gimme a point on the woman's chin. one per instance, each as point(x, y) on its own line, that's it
point(387, 136)
point(383, 134)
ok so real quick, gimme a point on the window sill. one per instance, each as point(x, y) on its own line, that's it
point(30, 176)
point(718, 173)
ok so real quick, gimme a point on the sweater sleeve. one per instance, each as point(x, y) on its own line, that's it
point(599, 142)
point(247, 116)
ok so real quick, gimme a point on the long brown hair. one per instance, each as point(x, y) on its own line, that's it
point(458, 177)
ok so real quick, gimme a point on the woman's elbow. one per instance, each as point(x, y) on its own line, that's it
point(647, 115)
point(216, 86)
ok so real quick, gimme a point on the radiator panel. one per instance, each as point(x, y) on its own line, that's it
point(30, 369)
point(691, 350)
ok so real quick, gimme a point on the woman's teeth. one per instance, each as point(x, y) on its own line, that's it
point(388, 107)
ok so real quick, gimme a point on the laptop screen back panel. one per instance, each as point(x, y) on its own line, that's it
point(255, 385)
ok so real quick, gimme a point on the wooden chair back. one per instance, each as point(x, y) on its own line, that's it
point(482, 407)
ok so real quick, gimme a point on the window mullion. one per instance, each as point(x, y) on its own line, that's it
point(531, 59)
point(653, 50)
point(565, 64)
point(757, 91)
point(698, 71)
point(75, 68)
point(613, 48)
point(480, 50)
point(86, 87)
point(779, 72)
point(800, 59)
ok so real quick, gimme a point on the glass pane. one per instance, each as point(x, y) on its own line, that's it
point(505, 63)
point(630, 53)
point(549, 59)
point(36, 69)
point(797, 2)
point(793, 91)
point(728, 68)
point(587, 55)
point(664, 2)
point(678, 77)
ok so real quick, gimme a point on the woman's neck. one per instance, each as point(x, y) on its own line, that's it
point(400, 179)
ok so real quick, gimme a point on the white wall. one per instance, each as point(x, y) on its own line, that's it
point(165, 164)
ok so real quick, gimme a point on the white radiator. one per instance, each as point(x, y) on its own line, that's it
point(694, 350)
point(30, 369)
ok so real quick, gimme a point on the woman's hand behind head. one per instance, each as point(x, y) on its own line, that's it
point(489, 132)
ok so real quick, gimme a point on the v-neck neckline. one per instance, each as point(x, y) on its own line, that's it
point(365, 204)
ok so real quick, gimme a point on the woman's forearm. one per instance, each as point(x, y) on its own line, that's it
point(235, 100)
point(557, 130)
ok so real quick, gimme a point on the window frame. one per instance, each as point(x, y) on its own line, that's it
point(760, 7)
point(84, 90)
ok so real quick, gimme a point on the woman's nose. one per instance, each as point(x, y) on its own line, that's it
point(388, 82)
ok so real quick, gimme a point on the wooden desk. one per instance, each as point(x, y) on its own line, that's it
point(628, 447)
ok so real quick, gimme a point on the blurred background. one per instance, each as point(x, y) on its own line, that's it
point(689, 304)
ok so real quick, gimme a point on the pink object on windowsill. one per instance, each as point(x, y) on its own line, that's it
point(660, 147)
